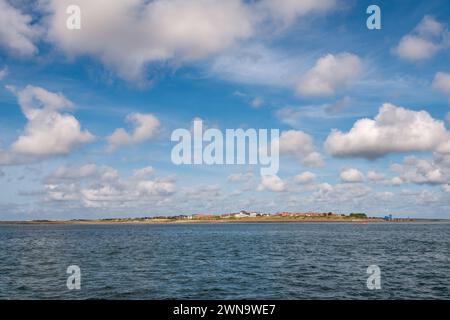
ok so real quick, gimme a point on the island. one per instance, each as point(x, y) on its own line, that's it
point(242, 216)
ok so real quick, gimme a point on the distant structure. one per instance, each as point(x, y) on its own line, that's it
point(246, 214)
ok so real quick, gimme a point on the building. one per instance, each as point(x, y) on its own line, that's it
point(245, 214)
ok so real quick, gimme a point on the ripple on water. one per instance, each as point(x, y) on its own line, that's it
point(226, 261)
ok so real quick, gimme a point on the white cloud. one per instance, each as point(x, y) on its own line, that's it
point(425, 41)
point(257, 102)
point(271, 183)
point(92, 186)
point(17, 33)
point(290, 115)
point(157, 187)
point(287, 11)
point(380, 178)
point(143, 173)
point(257, 64)
point(300, 145)
point(240, 177)
point(394, 129)
point(416, 48)
point(323, 190)
point(305, 177)
point(173, 31)
point(441, 82)
point(396, 181)
point(420, 171)
point(296, 116)
point(71, 174)
point(351, 194)
point(3, 73)
point(252, 101)
point(63, 173)
point(375, 176)
point(48, 132)
point(429, 27)
point(446, 188)
point(170, 32)
point(339, 105)
point(149, 31)
point(144, 128)
point(330, 73)
point(351, 176)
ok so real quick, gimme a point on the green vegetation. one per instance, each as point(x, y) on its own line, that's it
point(358, 215)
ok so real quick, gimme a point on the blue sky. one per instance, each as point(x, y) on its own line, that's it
point(362, 113)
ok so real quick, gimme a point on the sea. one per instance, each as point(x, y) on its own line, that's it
point(226, 261)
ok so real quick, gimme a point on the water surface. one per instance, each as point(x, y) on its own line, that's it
point(226, 261)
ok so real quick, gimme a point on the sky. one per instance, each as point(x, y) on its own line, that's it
point(86, 114)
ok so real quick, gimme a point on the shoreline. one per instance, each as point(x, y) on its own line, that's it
point(218, 221)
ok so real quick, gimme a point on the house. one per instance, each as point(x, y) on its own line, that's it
point(264, 215)
point(283, 214)
point(245, 214)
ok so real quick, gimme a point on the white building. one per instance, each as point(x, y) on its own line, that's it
point(245, 214)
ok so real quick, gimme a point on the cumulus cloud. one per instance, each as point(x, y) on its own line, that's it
point(144, 128)
point(394, 129)
point(17, 33)
point(77, 173)
point(351, 176)
point(396, 181)
point(350, 195)
point(157, 187)
point(416, 48)
point(421, 171)
point(305, 177)
point(446, 188)
point(240, 177)
point(93, 186)
point(300, 145)
point(49, 131)
point(167, 31)
point(143, 173)
point(380, 178)
point(63, 173)
point(441, 82)
point(375, 176)
point(330, 73)
point(425, 41)
point(271, 183)
point(149, 31)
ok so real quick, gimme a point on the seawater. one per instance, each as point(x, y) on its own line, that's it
point(226, 261)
